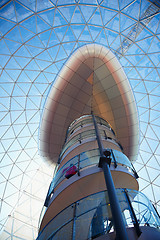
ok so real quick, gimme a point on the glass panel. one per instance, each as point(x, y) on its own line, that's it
point(86, 159)
point(63, 171)
point(123, 205)
point(79, 137)
point(102, 121)
point(83, 224)
point(61, 219)
point(89, 203)
point(89, 158)
point(102, 221)
point(64, 233)
point(145, 213)
point(60, 175)
point(94, 215)
point(81, 123)
point(121, 158)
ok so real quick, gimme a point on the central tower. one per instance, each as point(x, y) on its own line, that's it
point(89, 115)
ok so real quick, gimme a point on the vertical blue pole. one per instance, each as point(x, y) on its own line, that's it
point(121, 233)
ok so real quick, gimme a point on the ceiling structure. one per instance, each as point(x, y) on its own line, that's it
point(90, 81)
point(36, 39)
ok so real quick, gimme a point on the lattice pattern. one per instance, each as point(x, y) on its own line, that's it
point(36, 38)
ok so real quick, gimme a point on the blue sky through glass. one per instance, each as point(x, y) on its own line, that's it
point(35, 40)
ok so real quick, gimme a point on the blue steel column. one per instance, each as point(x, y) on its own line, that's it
point(121, 232)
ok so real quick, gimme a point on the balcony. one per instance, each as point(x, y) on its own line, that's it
point(91, 217)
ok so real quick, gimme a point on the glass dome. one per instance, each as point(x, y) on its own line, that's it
point(36, 38)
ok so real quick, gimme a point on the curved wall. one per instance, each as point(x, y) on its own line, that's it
point(92, 80)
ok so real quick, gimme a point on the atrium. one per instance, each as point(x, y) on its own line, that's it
point(36, 39)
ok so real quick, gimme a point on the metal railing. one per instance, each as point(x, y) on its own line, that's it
point(91, 216)
point(84, 121)
point(88, 159)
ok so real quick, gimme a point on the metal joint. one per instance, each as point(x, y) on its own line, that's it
point(103, 160)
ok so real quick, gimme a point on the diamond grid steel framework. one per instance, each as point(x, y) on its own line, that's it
point(36, 38)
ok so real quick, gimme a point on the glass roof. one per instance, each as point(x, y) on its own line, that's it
point(36, 38)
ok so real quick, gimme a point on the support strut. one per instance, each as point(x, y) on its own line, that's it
point(104, 163)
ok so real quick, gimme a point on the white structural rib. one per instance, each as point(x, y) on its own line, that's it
point(92, 79)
